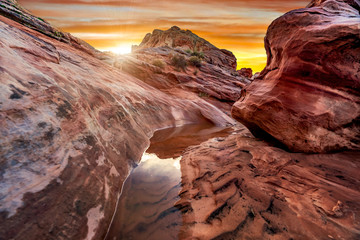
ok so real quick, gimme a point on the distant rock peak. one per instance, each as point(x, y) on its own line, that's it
point(175, 28)
point(176, 37)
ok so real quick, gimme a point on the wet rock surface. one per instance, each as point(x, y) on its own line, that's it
point(146, 207)
point(307, 97)
point(71, 129)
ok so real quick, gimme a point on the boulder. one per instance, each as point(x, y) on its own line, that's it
point(307, 97)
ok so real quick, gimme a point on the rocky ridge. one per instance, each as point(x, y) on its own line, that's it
point(13, 10)
point(176, 37)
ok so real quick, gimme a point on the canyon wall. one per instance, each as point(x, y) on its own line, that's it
point(72, 127)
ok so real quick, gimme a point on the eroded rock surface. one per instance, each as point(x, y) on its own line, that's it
point(214, 84)
point(307, 97)
point(146, 207)
point(71, 128)
point(241, 188)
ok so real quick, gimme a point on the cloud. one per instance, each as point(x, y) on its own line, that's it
point(238, 26)
point(280, 5)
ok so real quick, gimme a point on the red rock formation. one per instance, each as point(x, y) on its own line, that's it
point(209, 82)
point(151, 62)
point(176, 37)
point(245, 72)
point(353, 3)
point(71, 127)
point(241, 188)
point(308, 95)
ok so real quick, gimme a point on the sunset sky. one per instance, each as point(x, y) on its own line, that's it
point(115, 25)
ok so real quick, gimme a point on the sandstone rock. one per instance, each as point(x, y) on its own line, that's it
point(246, 72)
point(256, 75)
point(214, 83)
point(353, 3)
point(307, 97)
point(73, 122)
point(211, 83)
point(11, 9)
point(185, 39)
point(71, 128)
point(238, 187)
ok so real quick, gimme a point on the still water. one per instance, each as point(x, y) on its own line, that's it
point(146, 206)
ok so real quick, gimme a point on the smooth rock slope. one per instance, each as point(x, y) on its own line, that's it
point(72, 126)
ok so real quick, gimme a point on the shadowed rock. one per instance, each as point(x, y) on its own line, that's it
point(73, 125)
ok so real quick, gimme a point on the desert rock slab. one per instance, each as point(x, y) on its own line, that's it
point(239, 187)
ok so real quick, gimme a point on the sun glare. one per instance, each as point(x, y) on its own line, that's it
point(121, 49)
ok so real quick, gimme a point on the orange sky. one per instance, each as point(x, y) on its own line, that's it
point(238, 26)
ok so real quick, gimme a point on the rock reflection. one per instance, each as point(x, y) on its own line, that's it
point(146, 207)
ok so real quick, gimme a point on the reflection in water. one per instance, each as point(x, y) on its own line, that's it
point(146, 207)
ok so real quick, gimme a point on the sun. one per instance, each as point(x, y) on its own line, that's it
point(120, 49)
